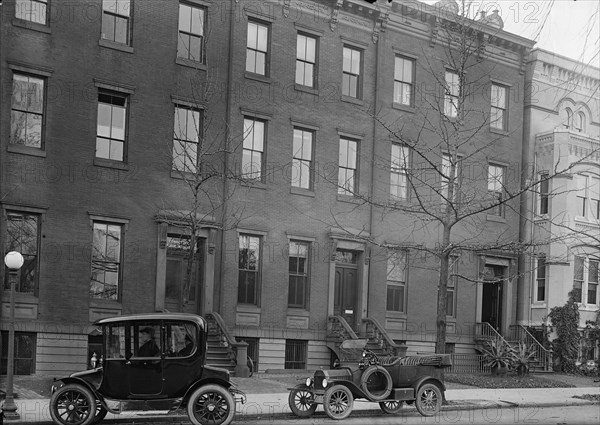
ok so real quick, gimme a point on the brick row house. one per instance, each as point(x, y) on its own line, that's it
point(112, 110)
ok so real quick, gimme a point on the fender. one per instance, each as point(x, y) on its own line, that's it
point(356, 391)
point(431, 379)
point(88, 385)
point(217, 381)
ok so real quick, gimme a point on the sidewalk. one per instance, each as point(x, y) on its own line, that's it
point(275, 405)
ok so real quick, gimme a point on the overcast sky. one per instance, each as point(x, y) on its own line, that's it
point(568, 27)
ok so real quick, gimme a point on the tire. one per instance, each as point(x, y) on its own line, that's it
point(391, 407)
point(337, 402)
point(302, 401)
point(211, 404)
point(73, 404)
point(429, 399)
point(379, 377)
point(100, 413)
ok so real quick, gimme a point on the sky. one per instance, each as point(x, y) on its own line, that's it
point(569, 28)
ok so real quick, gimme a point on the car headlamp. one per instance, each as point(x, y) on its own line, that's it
point(308, 382)
point(325, 382)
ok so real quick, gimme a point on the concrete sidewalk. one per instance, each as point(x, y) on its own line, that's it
point(276, 405)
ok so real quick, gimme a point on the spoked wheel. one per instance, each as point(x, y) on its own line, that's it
point(337, 402)
point(392, 406)
point(211, 404)
point(429, 400)
point(73, 404)
point(302, 401)
point(100, 413)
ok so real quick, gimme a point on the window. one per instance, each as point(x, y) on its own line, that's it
point(306, 60)
point(249, 269)
point(399, 167)
point(348, 171)
point(253, 148)
point(178, 288)
point(299, 282)
point(186, 139)
point(295, 354)
point(579, 122)
point(190, 38)
point(569, 122)
point(32, 10)
point(499, 113)
point(257, 49)
point(404, 81)
point(586, 279)
point(540, 278)
point(27, 111)
point(24, 354)
point(111, 133)
point(588, 196)
point(351, 70)
point(302, 158)
point(496, 189)
point(22, 235)
point(451, 287)
point(450, 175)
point(116, 20)
point(106, 261)
point(544, 194)
point(396, 281)
point(451, 94)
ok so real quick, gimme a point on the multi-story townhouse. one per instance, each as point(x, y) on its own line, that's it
point(96, 167)
point(562, 143)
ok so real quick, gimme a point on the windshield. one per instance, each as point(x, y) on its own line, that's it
point(351, 349)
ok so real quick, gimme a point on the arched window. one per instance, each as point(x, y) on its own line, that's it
point(569, 121)
point(579, 122)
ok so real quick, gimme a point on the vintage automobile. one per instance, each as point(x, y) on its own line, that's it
point(148, 361)
point(391, 381)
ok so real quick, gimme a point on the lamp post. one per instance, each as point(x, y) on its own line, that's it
point(14, 261)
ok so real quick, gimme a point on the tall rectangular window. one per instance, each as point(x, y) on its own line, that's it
point(249, 262)
point(190, 37)
point(396, 281)
point(398, 171)
point(348, 167)
point(295, 354)
point(116, 19)
point(22, 235)
point(540, 279)
point(450, 172)
point(496, 176)
point(544, 194)
point(186, 139)
point(302, 158)
point(404, 81)
point(451, 287)
point(253, 148)
point(298, 262)
point(351, 72)
point(257, 48)
point(587, 196)
point(592, 283)
point(499, 105)
point(27, 111)
point(106, 260)
point(578, 279)
point(306, 60)
point(595, 197)
point(451, 94)
point(586, 279)
point(32, 10)
point(111, 130)
point(24, 354)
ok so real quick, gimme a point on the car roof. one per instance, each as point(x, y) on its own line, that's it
point(188, 317)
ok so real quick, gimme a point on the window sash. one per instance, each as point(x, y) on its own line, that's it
point(257, 48)
point(27, 110)
point(306, 60)
point(186, 139)
point(253, 148)
point(302, 158)
point(111, 125)
point(347, 174)
point(106, 260)
point(298, 266)
point(544, 195)
point(498, 107)
point(540, 280)
point(496, 175)
point(403, 80)
point(190, 41)
point(32, 10)
point(249, 263)
point(451, 94)
point(22, 235)
point(351, 72)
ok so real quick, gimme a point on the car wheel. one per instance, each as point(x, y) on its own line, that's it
point(337, 402)
point(391, 407)
point(211, 404)
point(73, 404)
point(302, 401)
point(100, 413)
point(429, 399)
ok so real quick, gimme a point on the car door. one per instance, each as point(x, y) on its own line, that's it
point(145, 371)
point(182, 363)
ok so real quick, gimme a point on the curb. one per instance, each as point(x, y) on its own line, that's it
point(140, 417)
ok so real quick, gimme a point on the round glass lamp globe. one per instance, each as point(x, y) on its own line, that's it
point(13, 260)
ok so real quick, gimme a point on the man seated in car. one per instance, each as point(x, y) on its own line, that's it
point(148, 347)
point(189, 347)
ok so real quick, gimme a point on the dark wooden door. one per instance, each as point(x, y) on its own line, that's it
point(345, 294)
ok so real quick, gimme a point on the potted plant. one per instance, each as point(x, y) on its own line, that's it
point(522, 355)
point(498, 355)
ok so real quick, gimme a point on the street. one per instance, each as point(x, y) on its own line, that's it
point(560, 415)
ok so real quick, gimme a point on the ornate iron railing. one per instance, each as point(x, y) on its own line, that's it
point(543, 356)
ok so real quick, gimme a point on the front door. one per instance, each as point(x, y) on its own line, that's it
point(491, 306)
point(346, 283)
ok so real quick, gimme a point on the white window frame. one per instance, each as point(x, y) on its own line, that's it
point(32, 10)
point(302, 158)
point(348, 166)
point(352, 71)
point(540, 263)
point(115, 10)
point(404, 84)
point(499, 107)
point(585, 278)
point(588, 191)
point(451, 93)
point(255, 49)
point(543, 194)
point(496, 191)
point(253, 148)
point(189, 31)
point(29, 113)
point(399, 164)
point(397, 262)
point(303, 60)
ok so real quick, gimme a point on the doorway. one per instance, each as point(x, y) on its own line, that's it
point(492, 294)
point(346, 283)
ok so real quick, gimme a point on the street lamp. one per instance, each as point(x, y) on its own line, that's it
point(14, 261)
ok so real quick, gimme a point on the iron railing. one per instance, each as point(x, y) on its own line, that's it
point(543, 356)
